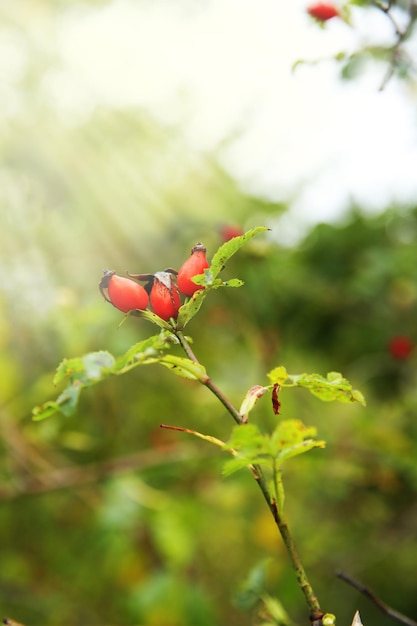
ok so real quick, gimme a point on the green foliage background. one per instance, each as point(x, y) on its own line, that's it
point(106, 519)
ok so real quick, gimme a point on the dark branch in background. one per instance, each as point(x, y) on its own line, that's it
point(75, 476)
point(397, 54)
point(384, 608)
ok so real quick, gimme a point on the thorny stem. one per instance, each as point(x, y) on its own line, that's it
point(316, 613)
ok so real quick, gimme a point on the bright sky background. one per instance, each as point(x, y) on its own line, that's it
point(222, 68)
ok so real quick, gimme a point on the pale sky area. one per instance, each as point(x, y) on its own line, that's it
point(223, 70)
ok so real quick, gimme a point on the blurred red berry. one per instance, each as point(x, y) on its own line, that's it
point(323, 11)
point(165, 298)
point(193, 266)
point(400, 347)
point(123, 293)
point(228, 231)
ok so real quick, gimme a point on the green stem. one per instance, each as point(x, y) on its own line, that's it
point(313, 604)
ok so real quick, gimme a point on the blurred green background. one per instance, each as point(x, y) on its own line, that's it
point(106, 519)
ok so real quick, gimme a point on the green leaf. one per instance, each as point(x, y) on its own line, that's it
point(90, 369)
point(228, 249)
point(329, 389)
point(253, 587)
point(45, 410)
point(143, 351)
point(184, 367)
point(97, 363)
point(189, 309)
point(233, 282)
point(292, 438)
point(290, 432)
point(246, 437)
point(89, 366)
point(278, 375)
point(250, 447)
point(242, 462)
point(155, 319)
point(332, 388)
point(209, 279)
point(275, 610)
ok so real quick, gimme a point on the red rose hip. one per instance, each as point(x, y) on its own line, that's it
point(164, 296)
point(193, 266)
point(123, 293)
point(400, 347)
point(323, 11)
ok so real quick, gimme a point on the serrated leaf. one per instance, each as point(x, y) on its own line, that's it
point(292, 438)
point(89, 366)
point(184, 367)
point(144, 350)
point(191, 308)
point(278, 375)
point(45, 410)
point(299, 448)
point(95, 363)
point(233, 282)
point(94, 367)
point(68, 399)
point(228, 249)
point(249, 447)
point(332, 388)
point(209, 279)
point(155, 319)
point(246, 436)
point(290, 432)
point(241, 462)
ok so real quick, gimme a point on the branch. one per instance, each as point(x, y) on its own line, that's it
point(401, 35)
point(384, 608)
point(209, 383)
point(316, 613)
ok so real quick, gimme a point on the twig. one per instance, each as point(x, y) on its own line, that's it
point(387, 610)
point(401, 35)
point(209, 383)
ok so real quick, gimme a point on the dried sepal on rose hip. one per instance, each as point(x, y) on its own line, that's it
point(193, 266)
point(323, 11)
point(163, 293)
point(123, 293)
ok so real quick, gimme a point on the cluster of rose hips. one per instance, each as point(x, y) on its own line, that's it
point(162, 289)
